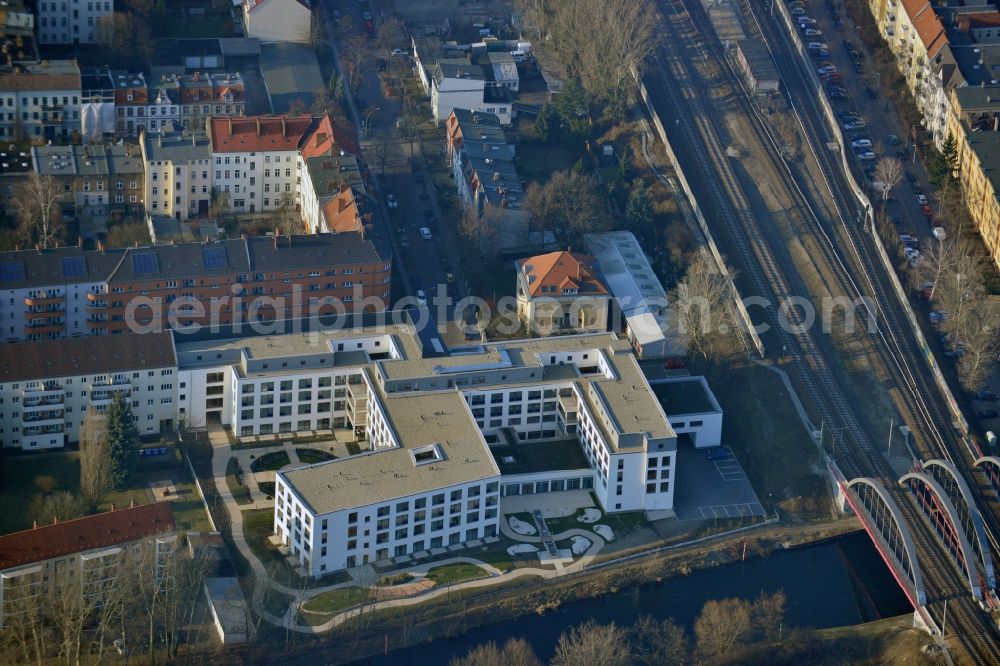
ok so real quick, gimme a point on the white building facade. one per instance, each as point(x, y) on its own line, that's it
point(47, 388)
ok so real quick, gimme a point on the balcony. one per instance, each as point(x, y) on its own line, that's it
point(93, 304)
point(101, 394)
point(43, 420)
point(568, 408)
point(37, 327)
point(91, 296)
point(38, 429)
point(39, 396)
point(42, 406)
point(47, 299)
point(46, 316)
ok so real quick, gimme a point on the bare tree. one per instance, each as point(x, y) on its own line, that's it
point(287, 220)
point(60, 505)
point(218, 202)
point(701, 308)
point(592, 643)
point(723, 625)
point(952, 272)
point(657, 643)
point(598, 41)
point(37, 204)
point(94, 459)
point(768, 612)
point(482, 229)
point(888, 173)
point(515, 652)
point(127, 234)
point(568, 201)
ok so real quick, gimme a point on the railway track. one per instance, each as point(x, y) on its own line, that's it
point(762, 269)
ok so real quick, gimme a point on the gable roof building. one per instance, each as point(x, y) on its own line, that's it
point(560, 291)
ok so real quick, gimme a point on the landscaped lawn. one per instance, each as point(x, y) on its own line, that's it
point(313, 456)
point(239, 491)
point(270, 462)
point(334, 601)
point(17, 483)
point(455, 573)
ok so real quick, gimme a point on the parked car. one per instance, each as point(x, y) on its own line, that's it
point(854, 124)
point(937, 316)
point(794, 11)
point(819, 55)
point(425, 233)
point(910, 177)
point(893, 140)
point(987, 414)
point(921, 200)
point(926, 210)
point(987, 395)
point(871, 92)
point(817, 46)
point(847, 115)
point(812, 32)
point(399, 52)
point(848, 46)
point(390, 199)
point(827, 69)
point(805, 19)
point(908, 238)
point(839, 95)
point(861, 143)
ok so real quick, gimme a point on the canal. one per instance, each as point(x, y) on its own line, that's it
point(834, 583)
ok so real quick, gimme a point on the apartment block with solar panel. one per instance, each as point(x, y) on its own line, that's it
point(47, 294)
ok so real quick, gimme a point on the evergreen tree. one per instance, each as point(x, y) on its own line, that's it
point(941, 168)
point(949, 154)
point(123, 441)
point(572, 107)
point(547, 123)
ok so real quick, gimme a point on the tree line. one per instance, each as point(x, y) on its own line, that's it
point(726, 631)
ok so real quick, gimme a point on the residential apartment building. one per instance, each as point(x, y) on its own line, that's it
point(178, 171)
point(16, 167)
point(72, 21)
point(44, 293)
point(482, 164)
point(99, 181)
point(259, 160)
point(561, 291)
point(457, 83)
point(35, 564)
point(278, 20)
point(17, 31)
point(332, 194)
point(66, 292)
point(40, 100)
point(448, 437)
point(974, 121)
point(186, 101)
point(47, 387)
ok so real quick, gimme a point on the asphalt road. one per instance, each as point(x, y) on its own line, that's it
point(396, 167)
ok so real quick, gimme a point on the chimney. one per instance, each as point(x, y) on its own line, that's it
point(243, 237)
point(258, 125)
point(79, 242)
point(131, 504)
point(283, 127)
point(996, 123)
point(112, 506)
point(34, 524)
point(136, 243)
point(274, 239)
point(173, 241)
point(55, 520)
point(100, 246)
point(38, 248)
point(230, 125)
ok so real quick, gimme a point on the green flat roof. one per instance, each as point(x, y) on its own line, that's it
point(540, 456)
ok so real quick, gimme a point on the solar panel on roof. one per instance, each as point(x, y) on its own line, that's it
point(145, 263)
point(213, 257)
point(74, 267)
point(12, 271)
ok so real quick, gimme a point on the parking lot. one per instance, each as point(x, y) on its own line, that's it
point(712, 488)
